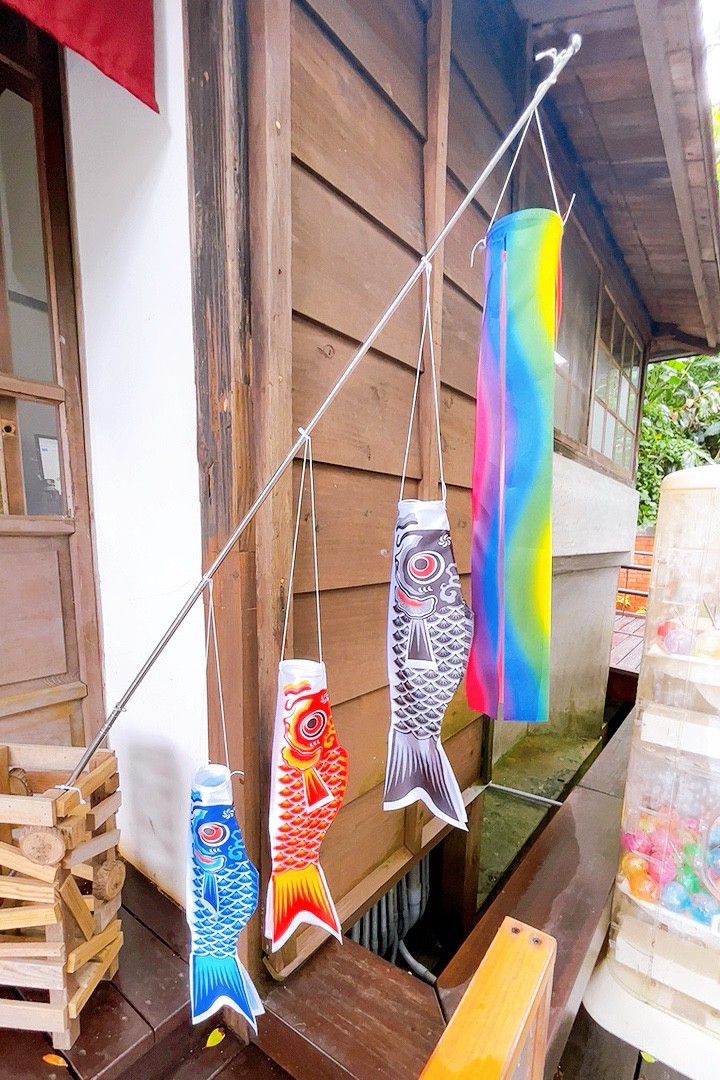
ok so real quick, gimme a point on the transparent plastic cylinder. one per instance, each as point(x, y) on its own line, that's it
point(665, 939)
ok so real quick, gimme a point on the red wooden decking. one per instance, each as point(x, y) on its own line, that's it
point(625, 655)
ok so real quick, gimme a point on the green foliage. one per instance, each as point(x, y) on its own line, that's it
point(680, 425)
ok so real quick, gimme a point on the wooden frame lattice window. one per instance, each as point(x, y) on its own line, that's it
point(616, 390)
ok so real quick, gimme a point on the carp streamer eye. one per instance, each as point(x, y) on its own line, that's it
point(213, 833)
point(425, 566)
point(313, 725)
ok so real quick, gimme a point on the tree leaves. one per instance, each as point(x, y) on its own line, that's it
point(680, 426)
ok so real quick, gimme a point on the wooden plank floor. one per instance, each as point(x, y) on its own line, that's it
point(137, 1027)
point(625, 656)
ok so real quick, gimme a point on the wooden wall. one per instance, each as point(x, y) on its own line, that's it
point(395, 108)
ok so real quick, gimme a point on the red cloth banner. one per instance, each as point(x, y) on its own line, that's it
point(114, 35)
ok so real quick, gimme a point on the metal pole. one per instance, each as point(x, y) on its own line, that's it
point(560, 60)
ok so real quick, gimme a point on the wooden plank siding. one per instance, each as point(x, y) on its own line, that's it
point(394, 107)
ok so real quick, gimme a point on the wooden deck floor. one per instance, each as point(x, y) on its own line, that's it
point(137, 1027)
point(625, 656)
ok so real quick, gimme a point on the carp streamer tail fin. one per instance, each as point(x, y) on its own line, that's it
point(296, 897)
point(418, 769)
point(222, 980)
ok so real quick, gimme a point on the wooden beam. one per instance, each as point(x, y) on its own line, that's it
point(216, 58)
point(505, 1007)
point(655, 50)
point(439, 31)
point(269, 158)
point(439, 34)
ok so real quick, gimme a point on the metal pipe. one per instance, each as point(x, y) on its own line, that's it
point(523, 794)
point(415, 966)
point(560, 60)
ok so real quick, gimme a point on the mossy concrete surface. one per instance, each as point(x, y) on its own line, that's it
point(543, 764)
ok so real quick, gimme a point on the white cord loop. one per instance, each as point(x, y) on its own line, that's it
point(307, 466)
point(482, 242)
point(426, 333)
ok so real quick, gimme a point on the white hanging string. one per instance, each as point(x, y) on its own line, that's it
point(425, 334)
point(212, 632)
point(536, 116)
point(307, 467)
point(551, 178)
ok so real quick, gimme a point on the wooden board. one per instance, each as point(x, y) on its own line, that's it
point(387, 42)
point(362, 428)
point(346, 132)
point(346, 269)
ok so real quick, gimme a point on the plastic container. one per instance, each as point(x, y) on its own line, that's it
point(665, 938)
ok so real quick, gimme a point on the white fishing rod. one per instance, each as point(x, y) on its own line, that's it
point(560, 59)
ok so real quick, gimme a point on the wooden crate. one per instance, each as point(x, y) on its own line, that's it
point(60, 884)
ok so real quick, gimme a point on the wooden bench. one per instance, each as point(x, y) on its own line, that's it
point(563, 887)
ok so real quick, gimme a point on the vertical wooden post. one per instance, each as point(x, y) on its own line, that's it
point(460, 872)
point(218, 189)
point(439, 30)
point(269, 147)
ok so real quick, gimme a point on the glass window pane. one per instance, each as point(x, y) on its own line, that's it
point(629, 446)
point(632, 402)
point(41, 460)
point(601, 374)
point(618, 335)
point(628, 350)
point(609, 439)
point(561, 392)
point(576, 333)
point(623, 398)
point(613, 385)
point(596, 429)
point(23, 249)
point(606, 317)
point(576, 415)
point(619, 448)
point(635, 375)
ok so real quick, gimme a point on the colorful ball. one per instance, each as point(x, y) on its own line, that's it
point(708, 644)
point(715, 835)
point(632, 863)
point(675, 896)
point(692, 855)
point(688, 878)
point(662, 870)
point(647, 823)
point(644, 888)
point(712, 859)
point(704, 907)
point(679, 642)
point(639, 842)
point(665, 627)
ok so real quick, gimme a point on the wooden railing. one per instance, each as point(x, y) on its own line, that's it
point(499, 1031)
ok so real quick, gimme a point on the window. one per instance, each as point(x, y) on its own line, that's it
point(616, 391)
point(576, 336)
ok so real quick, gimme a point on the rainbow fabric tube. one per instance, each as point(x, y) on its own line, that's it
point(508, 670)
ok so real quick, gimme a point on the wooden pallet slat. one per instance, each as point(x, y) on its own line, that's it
point(32, 1016)
point(91, 948)
point(77, 907)
point(12, 859)
point(15, 918)
point(37, 974)
point(93, 847)
point(91, 974)
point(17, 888)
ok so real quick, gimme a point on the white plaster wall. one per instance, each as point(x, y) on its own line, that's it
point(131, 210)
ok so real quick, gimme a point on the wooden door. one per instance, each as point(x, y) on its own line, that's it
point(50, 679)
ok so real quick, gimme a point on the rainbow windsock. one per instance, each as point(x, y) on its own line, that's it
point(508, 670)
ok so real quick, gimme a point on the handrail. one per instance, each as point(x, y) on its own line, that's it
point(499, 1030)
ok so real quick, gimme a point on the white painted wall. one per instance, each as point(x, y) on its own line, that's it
point(131, 210)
